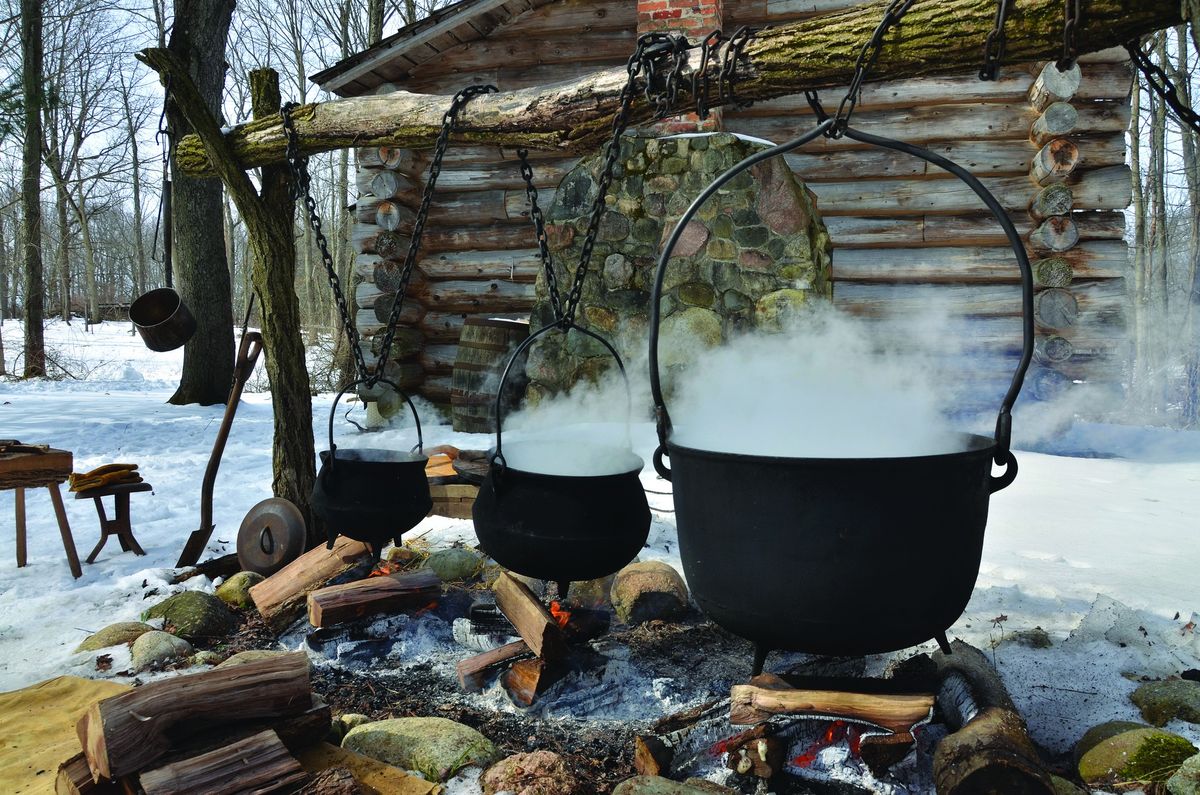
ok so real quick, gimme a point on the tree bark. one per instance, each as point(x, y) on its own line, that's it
point(31, 187)
point(200, 270)
point(138, 271)
point(819, 52)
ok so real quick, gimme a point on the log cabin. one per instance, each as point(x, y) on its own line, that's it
point(906, 237)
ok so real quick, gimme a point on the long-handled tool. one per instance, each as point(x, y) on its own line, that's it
point(248, 351)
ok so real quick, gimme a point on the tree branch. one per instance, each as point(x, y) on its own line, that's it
point(940, 37)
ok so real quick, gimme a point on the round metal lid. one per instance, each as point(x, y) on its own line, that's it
point(271, 536)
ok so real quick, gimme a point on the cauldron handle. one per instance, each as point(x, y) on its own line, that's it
point(662, 419)
point(371, 382)
point(1003, 454)
point(497, 458)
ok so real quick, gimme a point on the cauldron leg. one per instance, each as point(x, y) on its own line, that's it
point(563, 587)
point(760, 658)
point(942, 642)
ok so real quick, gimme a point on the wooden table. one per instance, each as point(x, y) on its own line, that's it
point(29, 466)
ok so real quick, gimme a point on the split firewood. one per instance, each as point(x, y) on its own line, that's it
point(387, 594)
point(334, 781)
point(525, 680)
point(474, 670)
point(881, 751)
point(530, 617)
point(126, 732)
point(990, 751)
point(755, 752)
point(256, 764)
point(764, 698)
point(296, 731)
point(75, 778)
point(281, 597)
point(651, 756)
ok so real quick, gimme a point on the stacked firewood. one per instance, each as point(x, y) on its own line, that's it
point(229, 729)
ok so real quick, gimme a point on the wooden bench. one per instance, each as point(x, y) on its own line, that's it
point(119, 525)
point(29, 466)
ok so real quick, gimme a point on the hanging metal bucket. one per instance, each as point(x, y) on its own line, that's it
point(561, 527)
point(162, 319)
point(846, 556)
point(371, 495)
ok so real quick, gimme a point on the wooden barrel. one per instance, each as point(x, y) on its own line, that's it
point(483, 349)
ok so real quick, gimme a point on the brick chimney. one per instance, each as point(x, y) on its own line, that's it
point(694, 19)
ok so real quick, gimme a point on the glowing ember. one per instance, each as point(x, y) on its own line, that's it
point(560, 613)
point(385, 567)
point(837, 731)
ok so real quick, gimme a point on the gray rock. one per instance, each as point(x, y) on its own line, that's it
point(1036, 638)
point(1164, 701)
point(535, 773)
point(1064, 787)
point(235, 591)
point(206, 657)
point(1138, 756)
point(436, 747)
point(114, 635)
point(1186, 780)
point(647, 591)
point(656, 785)
point(194, 615)
point(156, 647)
point(455, 564)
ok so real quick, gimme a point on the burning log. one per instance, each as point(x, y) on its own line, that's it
point(258, 764)
point(881, 751)
point(756, 752)
point(530, 618)
point(525, 680)
point(124, 733)
point(651, 756)
point(768, 695)
point(281, 597)
point(384, 594)
point(990, 751)
point(473, 670)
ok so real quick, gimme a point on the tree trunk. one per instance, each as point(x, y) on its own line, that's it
point(374, 21)
point(1141, 356)
point(4, 265)
point(89, 259)
point(814, 53)
point(1191, 170)
point(1160, 258)
point(200, 269)
point(138, 271)
point(62, 254)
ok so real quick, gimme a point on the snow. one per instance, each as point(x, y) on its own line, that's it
point(1099, 550)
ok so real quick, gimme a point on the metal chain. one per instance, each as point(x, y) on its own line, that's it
point(862, 66)
point(1161, 83)
point(539, 229)
point(1070, 22)
point(994, 44)
point(414, 244)
point(301, 190)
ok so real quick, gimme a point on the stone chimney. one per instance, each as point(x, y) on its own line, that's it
point(694, 19)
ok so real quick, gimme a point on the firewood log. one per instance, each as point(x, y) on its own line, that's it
point(392, 593)
point(256, 764)
point(755, 703)
point(473, 670)
point(334, 781)
point(281, 598)
point(75, 778)
point(531, 619)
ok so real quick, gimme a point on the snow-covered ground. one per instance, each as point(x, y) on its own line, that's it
point(1102, 553)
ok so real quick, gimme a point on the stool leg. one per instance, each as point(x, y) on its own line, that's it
point(64, 528)
point(91, 558)
point(20, 527)
point(124, 530)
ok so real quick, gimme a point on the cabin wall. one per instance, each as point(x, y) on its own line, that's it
point(907, 238)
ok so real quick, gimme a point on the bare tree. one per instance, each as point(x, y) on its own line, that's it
point(31, 186)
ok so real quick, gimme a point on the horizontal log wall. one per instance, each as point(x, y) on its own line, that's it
point(909, 239)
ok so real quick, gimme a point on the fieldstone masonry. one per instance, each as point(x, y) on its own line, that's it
point(756, 251)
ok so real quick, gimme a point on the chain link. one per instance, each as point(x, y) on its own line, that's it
point(1160, 82)
point(539, 229)
point(1070, 22)
point(300, 190)
point(994, 44)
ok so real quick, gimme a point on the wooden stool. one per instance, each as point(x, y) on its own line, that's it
point(118, 526)
point(22, 469)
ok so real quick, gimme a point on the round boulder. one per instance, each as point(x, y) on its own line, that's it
point(455, 564)
point(536, 773)
point(235, 591)
point(194, 615)
point(1164, 701)
point(648, 590)
point(1186, 780)
point(656, 785)
point(436, 747)
point(1139, 756)
point(206, 657)
point(156, 647)
point(114, 635)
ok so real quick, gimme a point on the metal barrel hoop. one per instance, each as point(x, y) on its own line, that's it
point(497, 459)
point(371, 381)
point(1003, 435)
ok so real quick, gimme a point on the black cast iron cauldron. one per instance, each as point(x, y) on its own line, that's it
point(371, 495)
point(561, 527)
point(162, 319)
point(844, 556)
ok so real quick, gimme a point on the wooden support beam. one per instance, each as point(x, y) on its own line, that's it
point(392, 593)
point(1054, 162)
point(125, 733)
point(1057, 120)
point(813, 53)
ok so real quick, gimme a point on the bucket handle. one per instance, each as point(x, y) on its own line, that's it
point(420, 445)
point(497, 462)
point(1003, 455)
